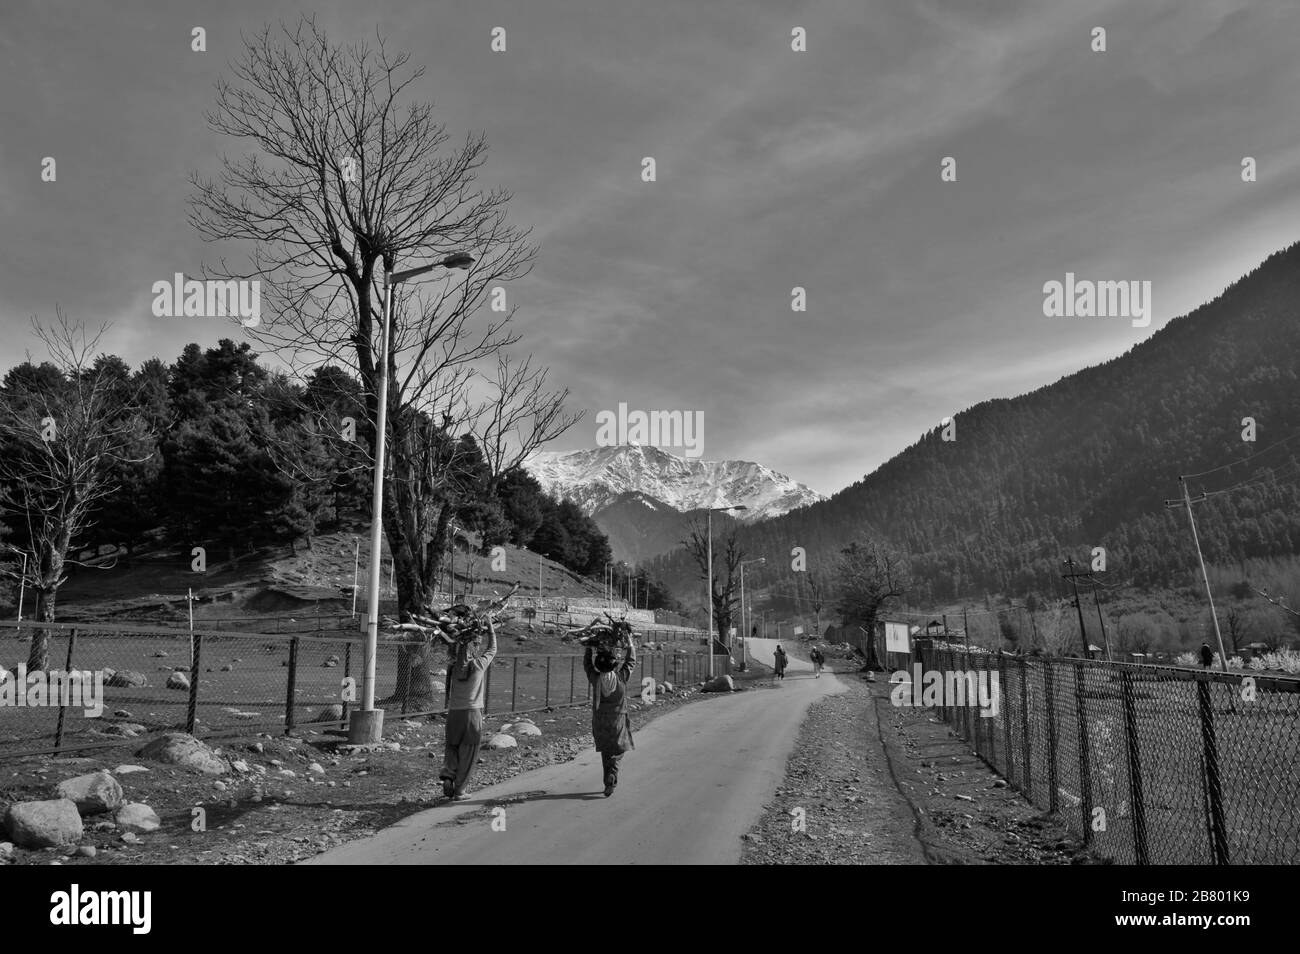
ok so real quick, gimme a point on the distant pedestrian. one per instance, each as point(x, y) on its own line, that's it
point(780, 659)
point(817, 660)
point(466, 679)
point(611, 726)
point(1207, 655)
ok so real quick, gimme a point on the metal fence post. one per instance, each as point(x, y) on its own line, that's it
point(1053, 797)
point(548, 682)
point(292, 684)
point(67, 674)
point(573, 665)
point(1004, 708)
point(514, 681)
point(1214, 789)
point(191, 715)
point(347, 672)
point(1137, 803)
point(1027, 776)
point(1085, 761)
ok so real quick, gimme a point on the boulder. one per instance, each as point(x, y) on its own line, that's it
point(667, 687)
point(129, 769)
point(127, 679)
point(719, 684)
point(178, 680)
point(92, 794)
point(525, 728)
point(48, 824)
point(502, 741)
point(126, 730)
point(137, 818)
point(177, 748)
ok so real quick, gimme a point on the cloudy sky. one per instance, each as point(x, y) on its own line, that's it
point(776, 169)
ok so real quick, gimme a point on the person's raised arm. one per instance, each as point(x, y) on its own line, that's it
point(629, 660)
point(490, 653)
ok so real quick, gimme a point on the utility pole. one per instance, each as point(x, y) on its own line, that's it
point(1074, 580)
point(1187, 502)
point(1096, 595)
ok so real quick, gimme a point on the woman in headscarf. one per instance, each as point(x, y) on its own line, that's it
point(610, 723)
point(780, 659)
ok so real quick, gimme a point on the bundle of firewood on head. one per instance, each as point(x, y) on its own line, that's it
point(606, 635)
point(454, 625)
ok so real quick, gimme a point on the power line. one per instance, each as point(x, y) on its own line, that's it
point(1242, 460)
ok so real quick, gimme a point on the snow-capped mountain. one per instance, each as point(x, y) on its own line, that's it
point(594, 479)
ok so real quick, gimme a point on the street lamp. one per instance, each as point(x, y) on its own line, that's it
point(744, 625)
point(367, 723)
point(22, 580)
point(712, 511)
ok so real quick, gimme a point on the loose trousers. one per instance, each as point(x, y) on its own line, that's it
point(460, 751)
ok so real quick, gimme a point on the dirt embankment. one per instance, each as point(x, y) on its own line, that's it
point(884, 785)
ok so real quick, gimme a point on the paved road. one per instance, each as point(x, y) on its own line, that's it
point(764, 651)
point(697, 780)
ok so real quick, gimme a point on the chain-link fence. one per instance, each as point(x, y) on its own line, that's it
point(1150, 764)
point(221, 681)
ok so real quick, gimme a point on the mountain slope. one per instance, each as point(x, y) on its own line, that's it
point(1088, 461)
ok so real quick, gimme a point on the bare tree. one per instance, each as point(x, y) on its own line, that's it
point(726, 578)
point(869, 578)
point(347, 180)
point(62, 436)
point(816, 597)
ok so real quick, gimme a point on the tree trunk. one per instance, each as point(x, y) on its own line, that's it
point(38, 657)
point(414, 688)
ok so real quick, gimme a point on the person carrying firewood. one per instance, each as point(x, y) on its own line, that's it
point(466, 681)
point(610, 723)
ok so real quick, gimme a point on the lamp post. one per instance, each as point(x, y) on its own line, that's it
point(712, 511)
point(22, 580)
point(744, 620)
point(367, 723)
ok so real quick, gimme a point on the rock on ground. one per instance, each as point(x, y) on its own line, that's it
point(127, 679)
point(92, 794)
point(178, 680)
point(47, 824)
point(177, 748)
point(137, 818)
point(502, 741)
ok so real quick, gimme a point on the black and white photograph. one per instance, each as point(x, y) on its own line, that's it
point(676, 433)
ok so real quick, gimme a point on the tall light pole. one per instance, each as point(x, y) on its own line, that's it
point(22, 580)
point(712, 511)
point(744, 624)
point(366, 724)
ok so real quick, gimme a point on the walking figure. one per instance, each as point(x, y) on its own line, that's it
point(466, 678)
point(611, 726)
point(781, 659)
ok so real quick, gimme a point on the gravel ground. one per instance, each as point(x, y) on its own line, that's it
point(885, 785)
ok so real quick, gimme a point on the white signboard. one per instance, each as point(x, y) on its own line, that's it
point(896, 638)
point(798, 630)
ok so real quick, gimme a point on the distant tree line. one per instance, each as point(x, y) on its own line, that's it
point(224, 453)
